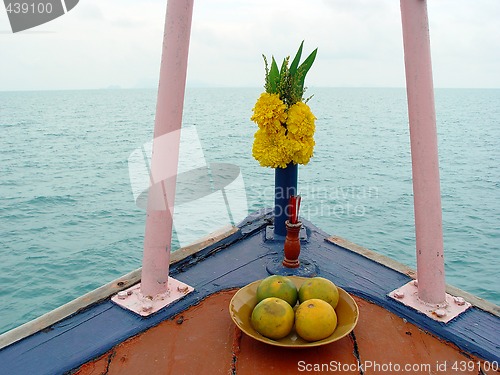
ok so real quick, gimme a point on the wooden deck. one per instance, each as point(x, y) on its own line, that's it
point(204, 340)
point(196, 335)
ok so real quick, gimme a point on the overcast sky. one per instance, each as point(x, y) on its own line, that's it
point(103, 43)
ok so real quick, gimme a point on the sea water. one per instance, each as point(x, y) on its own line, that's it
point(69, 221)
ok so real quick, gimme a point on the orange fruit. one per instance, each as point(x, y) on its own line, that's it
point(319, 287)
point(279, 287)
point(315, 320)
point(273, 318)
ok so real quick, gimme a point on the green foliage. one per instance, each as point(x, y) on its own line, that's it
point(288, 81)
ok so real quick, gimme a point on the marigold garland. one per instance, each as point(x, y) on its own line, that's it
point(286, 123)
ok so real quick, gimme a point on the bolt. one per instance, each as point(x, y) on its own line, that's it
point(459, 301)
point(122, 294)
point(399, 294)
point(147, 306)
point(440, 313)
point(182, 289)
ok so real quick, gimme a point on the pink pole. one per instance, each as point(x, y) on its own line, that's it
point(172, 85)
point(423, 139)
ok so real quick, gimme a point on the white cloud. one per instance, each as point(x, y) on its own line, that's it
point(118, 42)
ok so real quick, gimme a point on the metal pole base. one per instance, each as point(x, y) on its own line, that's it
point(132, 299)
point(451, 308)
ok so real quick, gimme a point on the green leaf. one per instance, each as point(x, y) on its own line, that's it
point(296, 60)
point(283, 67)
point(274, 76)
point(304, 68)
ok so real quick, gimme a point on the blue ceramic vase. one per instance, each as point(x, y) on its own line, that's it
point(285, 185)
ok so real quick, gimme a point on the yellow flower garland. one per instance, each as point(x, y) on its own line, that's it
point(286, 124)
point(283, 136)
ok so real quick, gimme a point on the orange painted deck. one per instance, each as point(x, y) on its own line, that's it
point(204, 340)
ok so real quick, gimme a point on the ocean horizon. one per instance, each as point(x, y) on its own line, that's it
point(70, 219)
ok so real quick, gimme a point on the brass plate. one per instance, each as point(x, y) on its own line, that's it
point(243, 302)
